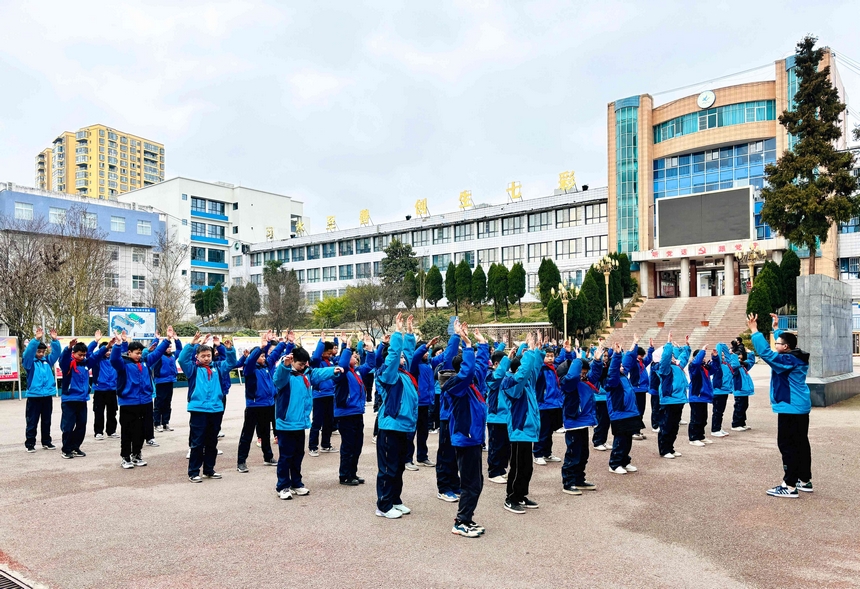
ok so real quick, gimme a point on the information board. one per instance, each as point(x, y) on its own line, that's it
point(139, 322)
point(9, 367)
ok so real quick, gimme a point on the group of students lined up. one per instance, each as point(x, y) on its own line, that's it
point(520, 396)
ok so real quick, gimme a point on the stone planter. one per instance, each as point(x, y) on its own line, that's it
point(619, 324)
point(705, 323)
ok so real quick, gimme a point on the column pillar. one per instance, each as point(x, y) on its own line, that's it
point(685, 278)
point(729, 275)
point(644, 278)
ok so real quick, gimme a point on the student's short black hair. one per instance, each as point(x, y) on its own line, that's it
point(421, 343)
point(497, 357)
point(585, 365)
point(41, 346)
point(456, 362)
point(515, 364)
point(80, 347)
point(328, 346)
point(139, 346)
point(789, 339)
point(103, 345)
point(640, 351)
point(301, 355)
point(696, 352)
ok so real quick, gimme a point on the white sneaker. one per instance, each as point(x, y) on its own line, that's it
point(539, 461)
point(740, 428)
point(724, 432)
point(683, 422)
point(403, 509)
point(159, 429)
point(501, 480)
point(285, 494)
point(601, 448)
point(668, 455)
point(188, 456)
point(100, 437)
point(411, 466)
point(697, 443)
point(390, 514)
point(300, 491)
point(314, 453)
point(677, 454)
point(719, 434)
point(619, 470)
point(220, 452)
point(639, 437)
point(560, 430)
point(630, 468)
point(374, 441)
point(552, 458)
point(656, 430)
point(707, 441)
point(220, 435)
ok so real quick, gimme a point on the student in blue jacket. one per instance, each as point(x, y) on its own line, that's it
point(294, 381)
point(789, 399)
point(741, 363)
point(398, 414)
point(550, 402)
point(260, 398)
point(447, 478)
point(601, 431)
point(134, 395)
point(673, 394)
point(104, 388)
point(422, 368)
point(579, 389)
point(654, 392)
point(207, 393)
point(640, 380)
point(164, 372)
point(349, 402)
point(323, 415)
point(41, 388)
point(467, 423)
point(75, 365)
point(518, 387)
point(702, 376)
point(621, 405)
point(722, 390)
point(499, 446)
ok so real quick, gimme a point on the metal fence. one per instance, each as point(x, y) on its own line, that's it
point(789, 322)
point(512, 332)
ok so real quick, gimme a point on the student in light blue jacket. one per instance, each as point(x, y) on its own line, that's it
point(789, 398)
point(41, 388)
point(722, 389)
point(673, 394)
point(702, 376)
point(499, 446)
point(741, 362)
point(422, 368)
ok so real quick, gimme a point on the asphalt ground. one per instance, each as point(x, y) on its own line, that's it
point(702, 520)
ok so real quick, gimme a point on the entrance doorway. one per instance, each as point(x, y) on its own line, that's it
point(668, 287)
point(711, 283)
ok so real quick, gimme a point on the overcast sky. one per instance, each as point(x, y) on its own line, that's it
point(354, 105)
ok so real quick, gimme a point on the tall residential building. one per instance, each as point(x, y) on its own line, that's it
point(106, 163)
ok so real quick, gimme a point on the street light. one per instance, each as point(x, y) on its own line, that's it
point(606, 265)
point(749, 257)
point(565, 294)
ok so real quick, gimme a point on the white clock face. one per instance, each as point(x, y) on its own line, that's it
point(706, 99)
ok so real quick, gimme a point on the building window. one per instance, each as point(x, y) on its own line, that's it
point(257, 280)
point(569, 217)
point(56, 215)
point(237, 281)
point(329, 273)
point(512, 254)
point(567, 249)
point(117, 224)
point(463, 232)
point(184, 197)
point(441, 261)
point(138, 255)
point(362, 270)
point(215, 231)
point(539, 251)
point(235, 230)
point(313, 297)
point(488, 228)
point(113, 251)
point(300, 276)
point(401, 237)
point(488, 256)
point(156, 260)
point(214, 279)
point(313, 252)
point(185, 222)
point(596, 246)
point(362, 245)
point(283, 255)
point(144, 228)
point(849, 268)
point(23, 211)
point(328, 250)
point(540, 221)
point(198, 229)
point(237, 261)
point(441, 235)
point(345, 248)
point(198, 254)
point(90, 220)
point(345, 272)
point(721, 116)
point(198, 205)
point(512, 225)
point(256, 260)
point(421, 237)
point(595, 214)
point(216, 256)
point(852, 226)
point(380, 242)
point(298, 254)
point(377, 269)
point(216, 208)
point(329, 294)
point(138, 282)
point(468, 256)
point(111, 280)
point(313, 274)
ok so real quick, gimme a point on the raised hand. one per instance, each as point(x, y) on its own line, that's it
point(216, 340)
point(270, 335)
point(635, 338)
point(705, 347)
point(432, 342)
point(669, 338)
point(287, 360)
point(157, 335)
point(152, 346)
point(617, 347)
point(73, 342)
point(124, 336)
point(512, 354)
point(338, 370)
point(752, 322)
point(530, 341)
point(479, 337)
point(196, 339)
point(576, 343)
point(246, 353)
point(170, 333)
point(409, 324)
point(650, 342)
point(40, 333)
point(687, 340)
point(456, 326)
point(53, 334)
point(774, 321)
point(398, 322)
point(228, 343)
point(567, 347)
point(291, 336)
point(322, 335)
point(342, 336)
point(368, 341)
point(97, 335)
point(386, 338)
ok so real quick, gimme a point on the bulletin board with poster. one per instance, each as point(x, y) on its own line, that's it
point(10, 369)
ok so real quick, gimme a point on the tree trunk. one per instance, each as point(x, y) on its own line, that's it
point(812, 260)
point(521, 307)
point(481, 311)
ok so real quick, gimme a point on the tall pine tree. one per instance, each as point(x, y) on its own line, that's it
point(479, 289)
point(451, 287)
point(464, 283)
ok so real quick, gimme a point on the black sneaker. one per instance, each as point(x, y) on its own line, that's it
point(529, 504)
point(586, 486)
point(475, 526)
point(514, 507)
point(67, 456)
point(30, 449)
point(242, 467)
point(213, 475)
point(571, 490)
point(195, 479)
point(350, 482)
point(360, 480)
point(49, 447)
point(805, 487)
point(78, 453)
point(783, 491)
point(138, 460)
point(270, 462)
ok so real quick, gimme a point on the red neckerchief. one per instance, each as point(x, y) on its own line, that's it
point(706, 371)
point(412, 378)
point(551, 367)
point(729, 366)
point(360, 382)
point(74, 365)
point(641, 366)
point(594, 388)
point(209, 370)
point(304, 378)
point(477, 393)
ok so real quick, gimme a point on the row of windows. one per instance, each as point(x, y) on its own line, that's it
point(201, 279)
point(201, 205)
point(849, 268)
point(203, 230)
point(138, 281)
point(721, 116)
point(202, 254)
point(57, 216)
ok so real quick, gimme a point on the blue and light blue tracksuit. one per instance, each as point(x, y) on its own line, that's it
point(789, 392)
point(293, 397)
point(702, 376)
point(133, 380)
point(206, 390)
point(521, 398)
point(579, 396)
point(75, 384)
point(423, 370)
point(41, 381)
point(620, 398)
point(742, 383)
point(468, 405)
point(259, 384)
point(104, 375)
point(673, 380)
point(349, 393)
point(324, 388)
point(164, 369)
point(638, 374)
point(399, 396)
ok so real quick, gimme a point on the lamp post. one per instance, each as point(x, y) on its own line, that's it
point(565, 294)
point(749, 257)
point(606, 265)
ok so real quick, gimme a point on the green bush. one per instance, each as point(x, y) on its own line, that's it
point(185, 329)
point(434, 326)
point(247, 333)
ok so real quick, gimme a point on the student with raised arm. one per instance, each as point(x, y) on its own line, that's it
point(206, 396)
point(550, 403)
point(640, 380)
point(578, 388)
point(349, 403)
point(41, 388)
point(104, 388)
point(601, 430)
point(722, 389)
point(398, 414)
point(164, 373)
point(789, 399)
point(621, 405)
point(741, 362)
point(673, 394)
point(134, 395)
point(75, 363)
point(702, 377)
point(422, 368)
point(447, 479)
point(323, 414)
point(499, 446)
point(260, 398)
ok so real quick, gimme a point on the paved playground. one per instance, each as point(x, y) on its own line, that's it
point(702, 520)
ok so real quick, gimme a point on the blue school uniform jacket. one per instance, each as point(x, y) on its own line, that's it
point(451, 350)
point(41, 381)
point(742, 383)
point(497, 408)
point(579, 395)
point(423, 371)
point(789, 392)
point(639, 372)
point(349, 393)
point(133, 381)
point(673, 380)
point(75, 384)
point(164, 369)
point(259, 384)
point(206, 389)
point(723, 385)
point(620, 398)
point(702, 375)
point(294, 399)
point(468, 421)
point(398, 390)
point(547, 388)
point(325, 388)
point(521, 398)
point(104, 375)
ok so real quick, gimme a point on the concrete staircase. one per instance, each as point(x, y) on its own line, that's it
point(726, 317)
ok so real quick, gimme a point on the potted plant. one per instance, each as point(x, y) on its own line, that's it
point(705, 321)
